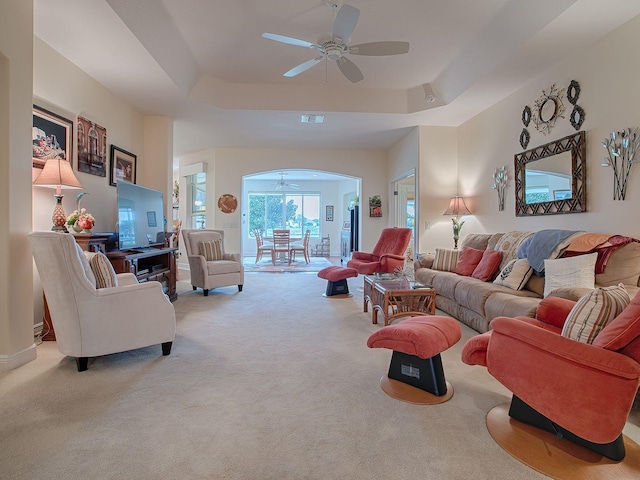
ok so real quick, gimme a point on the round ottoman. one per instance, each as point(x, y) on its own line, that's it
point(415, 373)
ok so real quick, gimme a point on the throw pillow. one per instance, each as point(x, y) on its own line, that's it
point(488, 265)
point(576, 272)
point(515, 274)
point(85, 265)
point(102, 270)
point(445, 259)
point(593, 311)
point(211, 250)
point(468, 261)
point(509, 244)
point(623, 329)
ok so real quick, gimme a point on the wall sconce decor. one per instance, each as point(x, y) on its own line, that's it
point(457, 208)
point(500, 178)
point(577, 115)
point(621, 149)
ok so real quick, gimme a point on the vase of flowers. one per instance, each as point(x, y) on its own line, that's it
point(81, 221)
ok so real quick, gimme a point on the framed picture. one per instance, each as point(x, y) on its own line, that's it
point(151, 219)
point(92, 148)
point(123, 166)
point(52, 137)
point(329, 214)
point(375, 206)
point(561, 194)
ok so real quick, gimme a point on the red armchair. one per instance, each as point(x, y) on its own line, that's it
point(387, 254)
point(579, 391)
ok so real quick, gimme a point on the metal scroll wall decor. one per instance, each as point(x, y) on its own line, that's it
point(576, 118)
point(621, 156)
point(500, 184)
point(548, 109)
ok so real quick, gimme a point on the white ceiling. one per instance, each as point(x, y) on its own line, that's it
point(205, 63)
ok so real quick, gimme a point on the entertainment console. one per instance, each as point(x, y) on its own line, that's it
point(150, 264)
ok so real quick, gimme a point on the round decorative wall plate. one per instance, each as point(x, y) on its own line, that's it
point(227, 203)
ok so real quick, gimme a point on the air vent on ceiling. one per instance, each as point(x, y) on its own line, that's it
point(305, 118)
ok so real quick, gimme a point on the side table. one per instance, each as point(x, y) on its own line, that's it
point(396, 297)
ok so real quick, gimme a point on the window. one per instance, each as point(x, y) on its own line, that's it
point(297, 212)
point(197, 201)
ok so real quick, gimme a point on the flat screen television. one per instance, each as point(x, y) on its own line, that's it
point(140, 216)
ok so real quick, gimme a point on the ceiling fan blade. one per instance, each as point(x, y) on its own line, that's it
point(288, 40)
point(380, 48)
point(345, 22)
point(349, 70)
point(303, 67)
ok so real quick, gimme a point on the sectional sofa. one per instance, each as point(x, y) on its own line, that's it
point(476, 302)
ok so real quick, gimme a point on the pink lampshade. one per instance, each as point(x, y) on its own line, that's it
point(457, 207)
point(57, 174)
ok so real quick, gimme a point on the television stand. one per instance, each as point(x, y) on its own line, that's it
point(148, 264)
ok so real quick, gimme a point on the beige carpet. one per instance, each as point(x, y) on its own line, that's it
point(275, 382)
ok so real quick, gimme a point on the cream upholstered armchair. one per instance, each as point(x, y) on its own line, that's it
point(210, 266)
point(90, 321)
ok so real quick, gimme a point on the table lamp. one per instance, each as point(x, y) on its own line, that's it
point(58, 174)
point(457, 208)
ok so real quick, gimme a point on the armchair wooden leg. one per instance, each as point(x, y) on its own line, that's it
point(205, 291)
point(194, 287)
point(239, 288)
point(82, 363)
point(166, 348)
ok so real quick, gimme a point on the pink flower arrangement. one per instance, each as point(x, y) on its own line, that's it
point(82, 218)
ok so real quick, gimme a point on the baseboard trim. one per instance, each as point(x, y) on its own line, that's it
point(9, 362)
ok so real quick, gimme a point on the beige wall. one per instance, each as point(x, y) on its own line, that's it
point(16, 67)
point(607, 73)
point(227, 166)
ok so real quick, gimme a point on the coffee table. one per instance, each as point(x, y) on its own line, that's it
point(397, 297)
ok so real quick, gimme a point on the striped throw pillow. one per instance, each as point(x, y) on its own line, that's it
point(445, 259)
point(211, 250)
point(593, 311)
point(102, 270)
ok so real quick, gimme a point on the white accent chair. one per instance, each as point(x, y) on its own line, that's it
point(91, 322)
point(213, 273)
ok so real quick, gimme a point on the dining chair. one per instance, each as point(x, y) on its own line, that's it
point(260, 246)
point(281, 245)
point(304, 247)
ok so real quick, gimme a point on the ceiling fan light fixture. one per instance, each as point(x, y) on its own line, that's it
point(310, 118)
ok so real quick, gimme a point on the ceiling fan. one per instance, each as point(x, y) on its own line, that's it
point(282, 185)
point(335, 46)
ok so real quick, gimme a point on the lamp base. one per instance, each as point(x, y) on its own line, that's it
point(59, 218)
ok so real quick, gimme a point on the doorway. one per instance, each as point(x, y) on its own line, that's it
point(404, 192)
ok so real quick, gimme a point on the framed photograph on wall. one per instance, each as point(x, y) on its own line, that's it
point(92, 148)
point(123, 166)
point(329, 214)
point(375, 206)
point(52, 137)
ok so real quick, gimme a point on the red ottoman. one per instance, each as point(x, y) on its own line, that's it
point(415, 363)
point(336, 278)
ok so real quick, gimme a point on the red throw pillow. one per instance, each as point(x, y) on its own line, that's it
point(468, 261)
point(488, 266)
point(623, 329)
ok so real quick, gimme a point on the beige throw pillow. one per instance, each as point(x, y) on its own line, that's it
point(445, 259)
point(594, 311)
point(578, 272)
point(211, 250)
point(515, 274)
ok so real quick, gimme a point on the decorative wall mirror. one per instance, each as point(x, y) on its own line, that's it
point(552, 178)
point(548, 109)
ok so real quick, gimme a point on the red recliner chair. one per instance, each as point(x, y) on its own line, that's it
point(387, 254)
point(578, 391)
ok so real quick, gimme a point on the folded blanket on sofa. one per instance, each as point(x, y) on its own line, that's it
point(545, 244)
point(604, 249)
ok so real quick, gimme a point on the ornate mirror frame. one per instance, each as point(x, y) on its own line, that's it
point(576, 144)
